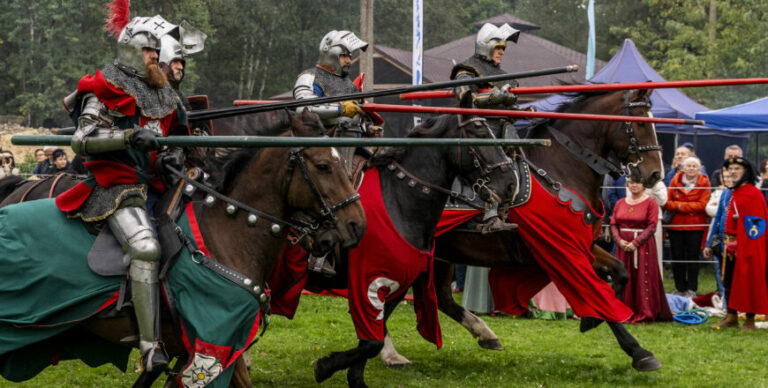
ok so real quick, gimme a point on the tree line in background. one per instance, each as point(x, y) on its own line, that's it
point(255, 48)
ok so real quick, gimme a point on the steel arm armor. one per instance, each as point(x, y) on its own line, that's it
point(95, 131)
point(305, 89)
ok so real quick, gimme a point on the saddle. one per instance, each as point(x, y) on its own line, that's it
point(106, 256)
point(467, 198)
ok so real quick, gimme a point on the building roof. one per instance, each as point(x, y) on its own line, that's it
point(514, 22)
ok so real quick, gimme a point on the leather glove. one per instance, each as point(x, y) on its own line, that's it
point(144, 140)
point(172, 157)
point(351, 109)
point(730, 247)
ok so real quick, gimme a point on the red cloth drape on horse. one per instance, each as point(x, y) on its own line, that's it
point(381, 268)
point(560, 241)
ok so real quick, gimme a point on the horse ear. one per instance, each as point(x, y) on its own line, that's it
point(644, 93)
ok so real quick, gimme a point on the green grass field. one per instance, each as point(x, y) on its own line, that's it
point(537, 354)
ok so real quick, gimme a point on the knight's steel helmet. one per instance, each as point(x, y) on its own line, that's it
point(141, 32)
point(178, 44)
point(489, 37)
point(336, 43)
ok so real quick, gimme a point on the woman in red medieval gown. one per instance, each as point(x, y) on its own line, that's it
point(633, 225)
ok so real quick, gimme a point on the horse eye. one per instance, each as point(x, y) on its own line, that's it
point(323, 167)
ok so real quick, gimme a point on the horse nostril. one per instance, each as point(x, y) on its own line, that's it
point(356, 229)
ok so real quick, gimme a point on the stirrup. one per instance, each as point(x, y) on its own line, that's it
point(321, 265)
point(495, 224)
point(156, 358)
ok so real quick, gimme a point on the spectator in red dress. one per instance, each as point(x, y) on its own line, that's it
point(632, 226)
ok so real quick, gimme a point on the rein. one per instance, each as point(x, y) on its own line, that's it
point(478, 161)
point(326, 212)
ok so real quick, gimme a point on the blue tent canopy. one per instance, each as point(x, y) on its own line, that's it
point(748, 117)
point(627, 65)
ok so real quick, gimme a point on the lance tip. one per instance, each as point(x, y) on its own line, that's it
point(573, 68)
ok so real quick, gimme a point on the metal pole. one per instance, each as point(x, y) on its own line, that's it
point(285, 141)
point(241, 110)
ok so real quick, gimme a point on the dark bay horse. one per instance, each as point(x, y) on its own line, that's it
point(276, 181)
point(411, 184)
point(634, 144)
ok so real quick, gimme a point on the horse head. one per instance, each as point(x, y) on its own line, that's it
point(486, 169)
point(320, 189)
point(634, 143)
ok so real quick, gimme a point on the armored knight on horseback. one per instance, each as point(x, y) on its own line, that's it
point(330, 77)
point(490, 44)
point(119, 111)
point(173, 54)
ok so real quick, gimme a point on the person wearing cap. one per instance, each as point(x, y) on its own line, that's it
point(490, 45)
point(746, 246)
point(118, 112)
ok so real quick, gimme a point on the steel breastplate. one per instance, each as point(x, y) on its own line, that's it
point(333, 85)
point(479, 67)
point(153, 103)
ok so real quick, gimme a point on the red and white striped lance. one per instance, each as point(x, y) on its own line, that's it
point(597, 87)
point(371, 107)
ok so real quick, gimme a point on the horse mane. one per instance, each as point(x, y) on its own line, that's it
point(233, 165)
point(431, 127)
point(8, 184)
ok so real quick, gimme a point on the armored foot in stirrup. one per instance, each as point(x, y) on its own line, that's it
point(495, 224)
point(322, 265)
point(153, 356)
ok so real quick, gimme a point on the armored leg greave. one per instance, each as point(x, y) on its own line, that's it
point(131, 226)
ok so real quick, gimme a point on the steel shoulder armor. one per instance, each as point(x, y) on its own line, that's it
point(304, 89)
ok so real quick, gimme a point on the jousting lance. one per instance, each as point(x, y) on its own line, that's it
point(436, 94)
point(371, 107)
point(285, 141)
point(210, 114)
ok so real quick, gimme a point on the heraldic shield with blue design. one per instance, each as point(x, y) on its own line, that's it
point(755, 227)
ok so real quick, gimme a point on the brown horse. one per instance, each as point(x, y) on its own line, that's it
point(276, 181)
point(634, 144)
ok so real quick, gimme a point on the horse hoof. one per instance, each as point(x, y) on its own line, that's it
point(322, 371)
point(397, 362)
point(647, 364)
point(588, 323)
point(492, 344)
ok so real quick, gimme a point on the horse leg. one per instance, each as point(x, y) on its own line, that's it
point(642, 359)
point(443, 275)
point(147, 378)
point(389, 354)
point(336, 361)
point(605, 263)
point(241, 376)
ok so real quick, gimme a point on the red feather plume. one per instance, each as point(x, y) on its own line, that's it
point(119, 14)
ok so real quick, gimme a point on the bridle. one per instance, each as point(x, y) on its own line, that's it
point(327, 217)
point(634, 148)
point(486, 168)
point(478, 161)
point(296, 228)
